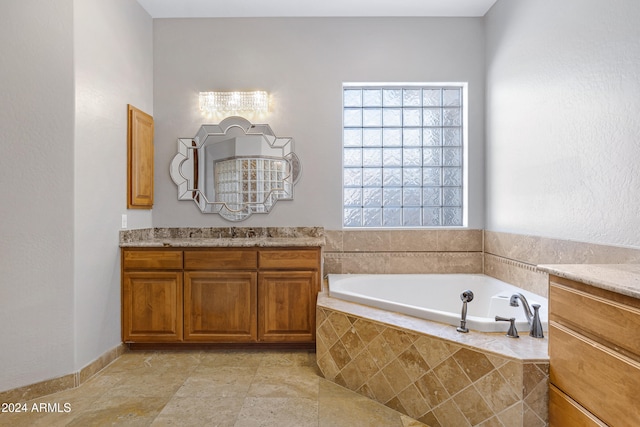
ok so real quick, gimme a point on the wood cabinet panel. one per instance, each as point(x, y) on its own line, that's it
point(139, 159)
point(289, 259)
point(151, 259)
point(565, 412)
point(602, 381)
point(152, 306)
point(599, 318)
point(219, 295)
point(220, 307)
point(221, 259)
point(286, 308)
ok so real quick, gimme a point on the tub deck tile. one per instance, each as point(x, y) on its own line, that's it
point(429, 371)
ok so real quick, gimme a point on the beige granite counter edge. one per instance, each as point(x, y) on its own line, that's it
point(226, 242)
point(623, 279)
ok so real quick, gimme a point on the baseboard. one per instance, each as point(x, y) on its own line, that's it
point(65, 382)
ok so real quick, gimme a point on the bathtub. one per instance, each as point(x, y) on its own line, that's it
point(436, 297)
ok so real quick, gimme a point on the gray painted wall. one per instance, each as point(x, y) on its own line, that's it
point(36, 182)
point(113, 67)
point(563, 97)
point(303, 63)
point(67, 71)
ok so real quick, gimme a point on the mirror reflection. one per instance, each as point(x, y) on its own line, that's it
point(235, 168)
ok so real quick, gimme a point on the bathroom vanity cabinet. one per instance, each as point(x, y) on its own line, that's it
point(594, 350)
point(220, 295)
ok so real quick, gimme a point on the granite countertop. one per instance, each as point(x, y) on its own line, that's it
point(620, 278)
point(223, 237)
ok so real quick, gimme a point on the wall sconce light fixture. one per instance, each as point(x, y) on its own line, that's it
point(232, 102)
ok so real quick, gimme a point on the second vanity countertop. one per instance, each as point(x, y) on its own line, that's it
point(223, 237)
point(620, 278)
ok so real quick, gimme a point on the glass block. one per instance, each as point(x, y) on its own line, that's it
point(431, 216)
point(451, 97)
point(392, 177)
point(372, 117)
point(372, 137)
point(411, 197)
point(352, 177)
point(412, 177)
point(452, 176)
point(392, 157)
point(451, 117)
point(372, 177)
point(392, 117)
point(432, 116)
point(412, 157)
point(452, 136)
point(431, 196)
point(392, 197)
point(432, 156)
point(352, 98)
point(391, 217)
point(352, 137)
point(372, 98)
point(412, 97)
point(431, 97)
point(391, 137)
point(431, 176)
point(411, 217)
point(352, 157)
point(411, 117)
point(451, 216)
point(372, 217)
point(452, 196)
point(372, 157)
point(352, 197)
point(412, 137)
point(432, 136)
point(452, 156)
point(352, 117)
point(353, 217)
point(372, 197)
point(392, 97)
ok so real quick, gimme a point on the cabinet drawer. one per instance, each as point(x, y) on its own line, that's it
point(151, 260)
point(221, 259)
point(604, 382)
point(565, 412)
point(289, 259)
point(616, 323)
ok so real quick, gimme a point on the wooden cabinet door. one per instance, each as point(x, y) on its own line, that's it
point(152, 306)
point(220, 306)
point(286, 307)
point(140, 160)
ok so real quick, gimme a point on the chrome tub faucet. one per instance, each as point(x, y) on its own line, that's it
point(535, 325)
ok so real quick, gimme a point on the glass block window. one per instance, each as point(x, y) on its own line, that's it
point(403, 155)
point(243, 180)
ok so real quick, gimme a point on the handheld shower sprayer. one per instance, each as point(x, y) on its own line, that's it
point(466, 296)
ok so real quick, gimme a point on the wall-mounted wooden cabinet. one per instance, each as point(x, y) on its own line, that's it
point(594, 350)
point(139, 159)
point(220, 295)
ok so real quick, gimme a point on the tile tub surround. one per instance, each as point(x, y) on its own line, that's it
point(429, 371)
point(223, 237)
point(514, 258)
point(403, 251)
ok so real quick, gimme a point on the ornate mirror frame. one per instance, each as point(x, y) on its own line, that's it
point(235, 168)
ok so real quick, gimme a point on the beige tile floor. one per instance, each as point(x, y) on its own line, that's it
point(241, 388)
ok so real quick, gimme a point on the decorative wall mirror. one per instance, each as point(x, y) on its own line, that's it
point(235, 168)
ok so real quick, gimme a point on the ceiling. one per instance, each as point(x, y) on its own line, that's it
point(313, 8)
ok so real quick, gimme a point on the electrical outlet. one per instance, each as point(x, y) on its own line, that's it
point(124, 220)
